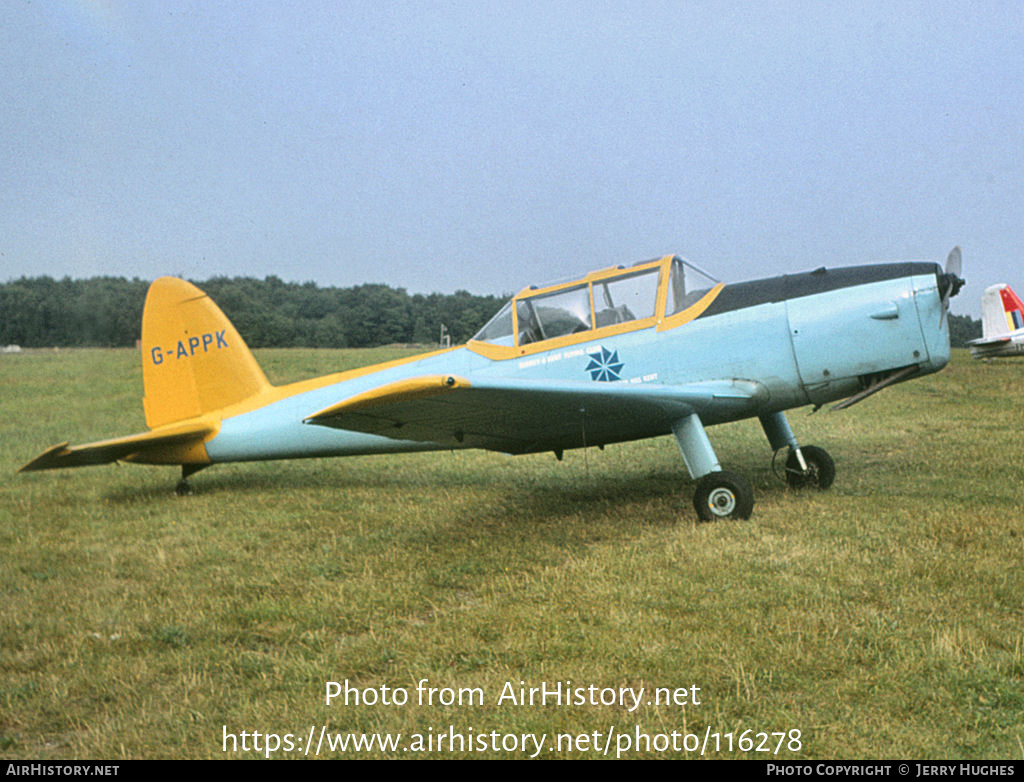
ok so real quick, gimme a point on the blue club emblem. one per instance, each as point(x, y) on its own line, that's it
point(604, 365)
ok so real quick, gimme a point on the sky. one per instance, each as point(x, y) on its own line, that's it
point(486, 146)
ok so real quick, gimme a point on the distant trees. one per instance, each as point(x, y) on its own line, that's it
point(107, 312)
point(43, 312)
point(963, 328)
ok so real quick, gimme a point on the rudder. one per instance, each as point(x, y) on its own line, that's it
point(193, 359)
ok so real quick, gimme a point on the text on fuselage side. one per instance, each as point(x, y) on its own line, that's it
point(214, 340)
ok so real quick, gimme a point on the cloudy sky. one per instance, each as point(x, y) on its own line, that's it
point(489, 145)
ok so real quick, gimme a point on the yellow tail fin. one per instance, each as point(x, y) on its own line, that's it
point(193, 359)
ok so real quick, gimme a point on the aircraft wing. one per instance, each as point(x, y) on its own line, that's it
point(105, 451)
point(528, 416)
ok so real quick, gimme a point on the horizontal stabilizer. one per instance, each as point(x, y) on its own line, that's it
point(106, 451)
point(981, 341)
point(529, 416)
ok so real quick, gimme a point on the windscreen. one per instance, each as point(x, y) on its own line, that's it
point(687, 285)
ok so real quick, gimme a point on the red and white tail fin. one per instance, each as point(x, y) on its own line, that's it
point(1002, 311)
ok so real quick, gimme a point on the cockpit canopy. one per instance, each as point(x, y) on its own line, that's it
point(641, 293)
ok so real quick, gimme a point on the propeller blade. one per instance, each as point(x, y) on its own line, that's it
point(954, 262)
point(951, 281)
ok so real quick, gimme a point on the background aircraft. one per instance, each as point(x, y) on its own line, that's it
point(619, 354)
point(1002, 324)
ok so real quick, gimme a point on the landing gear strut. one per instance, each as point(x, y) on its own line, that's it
point(806, 466)
point(720, 494)
point(817, 471)
point(184, 488)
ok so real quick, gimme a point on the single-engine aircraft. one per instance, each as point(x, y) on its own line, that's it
point(620, 354)
point(1002, 324)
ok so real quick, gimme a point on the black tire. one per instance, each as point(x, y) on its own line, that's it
point(821, 470)
point(723, 495)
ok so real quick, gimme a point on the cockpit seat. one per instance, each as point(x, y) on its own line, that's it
point(613, 315)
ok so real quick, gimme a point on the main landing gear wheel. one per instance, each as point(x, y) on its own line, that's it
point(723, 495)
point(820, 473)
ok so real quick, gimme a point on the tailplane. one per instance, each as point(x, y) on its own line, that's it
point(193, 359)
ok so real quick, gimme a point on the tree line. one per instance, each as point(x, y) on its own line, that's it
point(107, 312)
point(963, 328)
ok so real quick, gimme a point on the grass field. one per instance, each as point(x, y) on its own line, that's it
point(881, 619)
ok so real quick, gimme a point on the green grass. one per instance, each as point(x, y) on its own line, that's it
point(882, 619)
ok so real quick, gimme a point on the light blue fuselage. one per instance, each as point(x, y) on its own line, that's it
point(798, 350)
